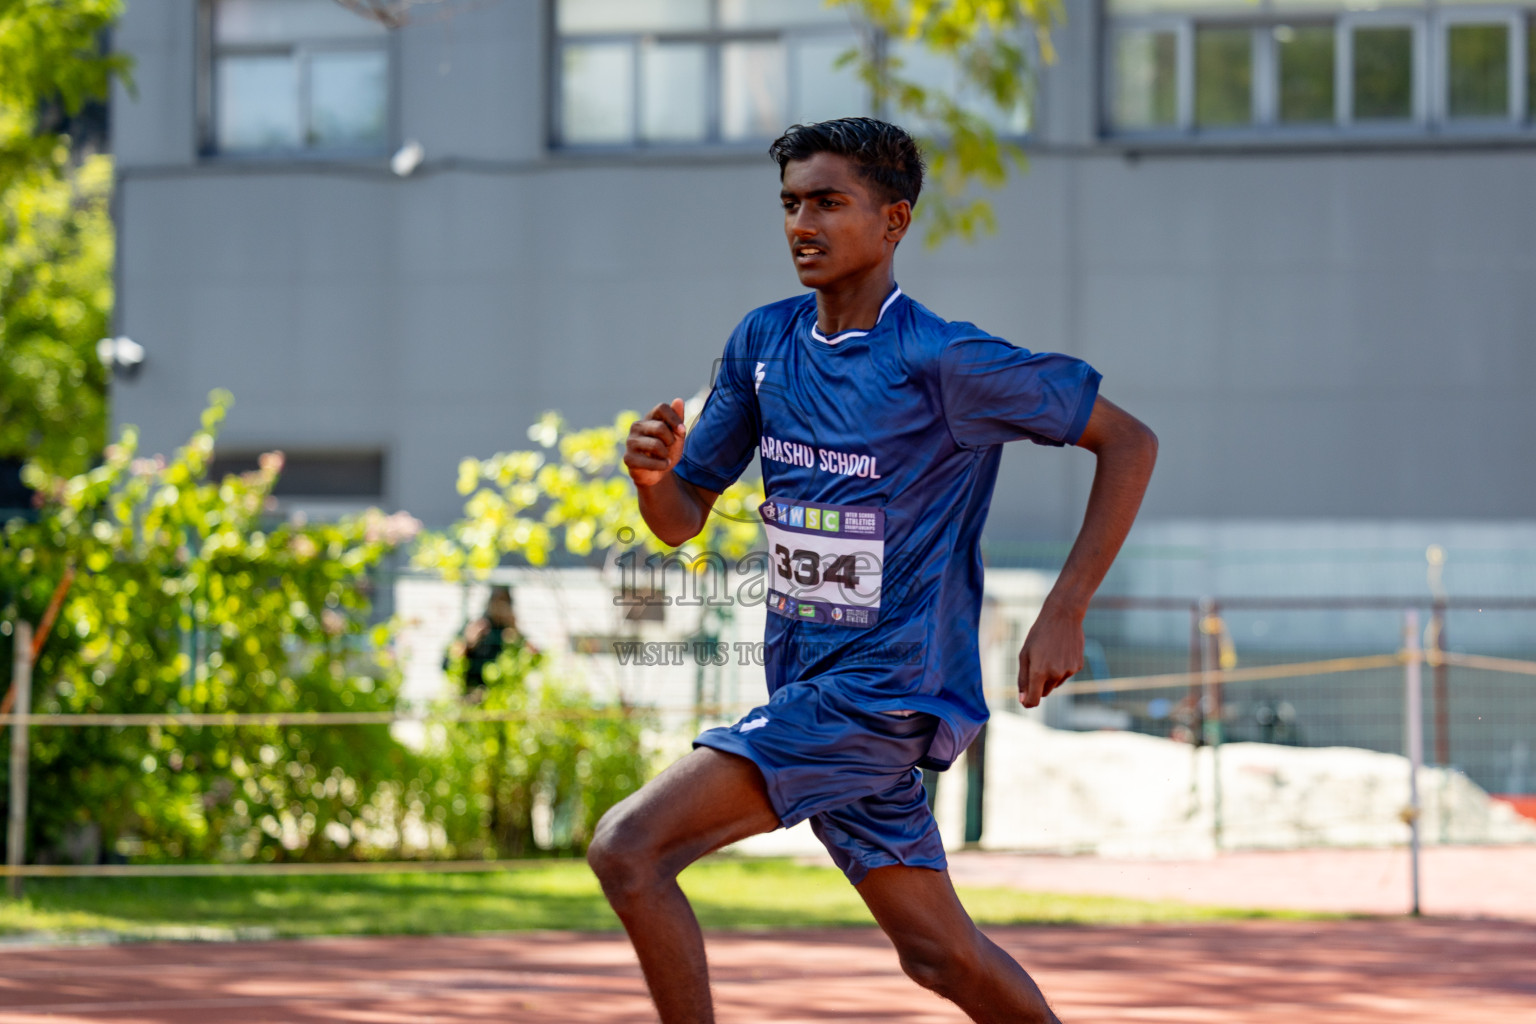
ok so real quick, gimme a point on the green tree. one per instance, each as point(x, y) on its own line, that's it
point(996, 47)
point(56, 247)
point(51, 52)
point(567, 755)
point(189, 598)
point(55, 233)
point(542, 779)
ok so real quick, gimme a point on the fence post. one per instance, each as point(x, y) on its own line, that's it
point(1196, 664)
point(1210, 659)
point(21, 685)
point(1442, 689)
point(1413, 710)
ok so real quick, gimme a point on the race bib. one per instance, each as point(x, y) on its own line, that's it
point(824, 561)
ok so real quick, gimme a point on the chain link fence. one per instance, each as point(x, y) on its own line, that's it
point(1198, 723)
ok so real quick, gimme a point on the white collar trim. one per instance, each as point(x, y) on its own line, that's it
point(816, 333)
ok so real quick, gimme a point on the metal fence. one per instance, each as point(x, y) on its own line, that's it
point(1480, 705)
point(1216, 677)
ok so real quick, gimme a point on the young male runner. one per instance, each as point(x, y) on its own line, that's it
point(879, 427)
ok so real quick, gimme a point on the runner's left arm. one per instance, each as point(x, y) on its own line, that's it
point(1126, 450)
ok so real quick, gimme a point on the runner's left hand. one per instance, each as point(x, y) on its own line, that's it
point(1052, 654)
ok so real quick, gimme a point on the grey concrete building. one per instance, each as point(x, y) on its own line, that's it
point(1298, 238)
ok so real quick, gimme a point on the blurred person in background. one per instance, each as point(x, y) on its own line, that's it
point(482, 640)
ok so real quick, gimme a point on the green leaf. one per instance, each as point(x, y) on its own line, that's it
point(996, 47)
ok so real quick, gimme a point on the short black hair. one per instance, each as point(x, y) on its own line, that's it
point(885, 155)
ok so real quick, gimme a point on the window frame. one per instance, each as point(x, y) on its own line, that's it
point(1428, 22)
point(1269, 87)
point(209, 51)
point(1183, 29)
point(1221, 21)
point(1516, 20)
point(1344, 70)
point(714, 39)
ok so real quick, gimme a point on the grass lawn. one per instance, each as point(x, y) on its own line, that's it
point(728, 893)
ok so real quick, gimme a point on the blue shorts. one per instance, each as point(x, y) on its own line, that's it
point(851, 771)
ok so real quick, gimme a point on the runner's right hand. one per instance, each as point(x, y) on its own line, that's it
point(655, 443)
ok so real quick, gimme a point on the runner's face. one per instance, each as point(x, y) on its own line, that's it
point(838, 227)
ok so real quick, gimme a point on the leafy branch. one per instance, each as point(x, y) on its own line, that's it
point(570, 491)
point(996, 47)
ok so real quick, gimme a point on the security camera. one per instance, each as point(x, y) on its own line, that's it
point(122, 355)
point(407, 159)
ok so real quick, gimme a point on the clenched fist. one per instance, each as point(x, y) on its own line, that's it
point(655, 443)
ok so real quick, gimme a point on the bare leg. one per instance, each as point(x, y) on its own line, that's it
point(941, 948)
point(703, 802)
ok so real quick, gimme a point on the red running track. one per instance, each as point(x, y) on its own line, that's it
point(1359, 972)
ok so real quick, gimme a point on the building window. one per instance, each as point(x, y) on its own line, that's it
point(1146, 82)
point(1382, 73)
point(1213, 66)
point(670, 72)
point(637, 73)
point(320, 485)
point(1304, 65)
point(1482, 54)
point(1223, 76)
point(939, 74)
point(1530, 69)
point(293, 76)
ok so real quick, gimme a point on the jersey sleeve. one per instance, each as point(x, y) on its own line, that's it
point(721, 443)
point(995, 392)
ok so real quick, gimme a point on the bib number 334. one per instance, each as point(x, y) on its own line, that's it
point(805, 567)
point(826, 561)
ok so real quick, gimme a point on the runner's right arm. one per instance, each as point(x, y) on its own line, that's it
point(673, 508)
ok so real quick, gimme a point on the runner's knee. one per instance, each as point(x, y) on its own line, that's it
point(610, 850)
point(621, 859)
point(938, 966)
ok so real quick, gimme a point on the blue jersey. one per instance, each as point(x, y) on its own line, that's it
point(879, 453)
